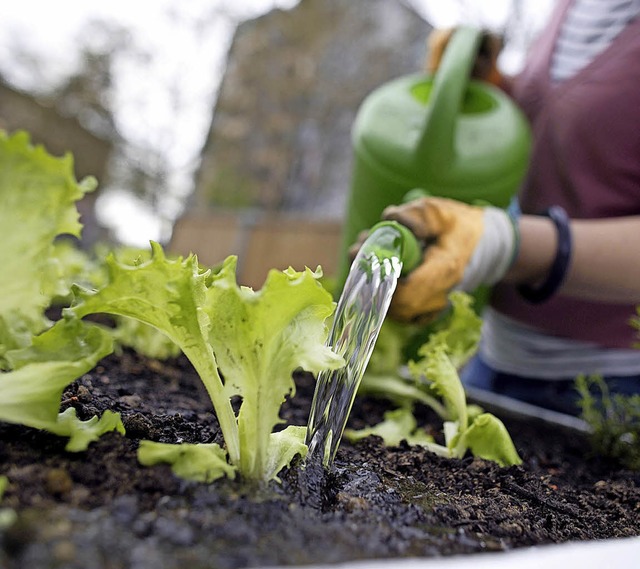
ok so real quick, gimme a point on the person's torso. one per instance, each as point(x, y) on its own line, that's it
point(585, 158)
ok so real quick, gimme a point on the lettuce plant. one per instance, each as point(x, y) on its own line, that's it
point(433, 380)
point(244, 344)
point(37, 204)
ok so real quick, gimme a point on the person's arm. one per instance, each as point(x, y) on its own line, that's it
point(605, 261)
point(467, 246)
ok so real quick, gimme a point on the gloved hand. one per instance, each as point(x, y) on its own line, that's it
point(485, 67)
point(465, 246)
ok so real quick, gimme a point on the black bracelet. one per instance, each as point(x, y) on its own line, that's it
point(560, 265)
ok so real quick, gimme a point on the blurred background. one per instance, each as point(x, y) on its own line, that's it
point(221, 127)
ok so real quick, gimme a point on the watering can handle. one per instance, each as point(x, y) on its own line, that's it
point(436, 142)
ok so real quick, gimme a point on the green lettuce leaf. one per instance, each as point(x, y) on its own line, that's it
point(30, 394)
point(461, 331)
point(488, 438)
point(398, 425)
point(283, 447)
point(129, 332)
point(82, 433)
point(37, 203)
point(69, 341)
point(198, 462)
point(439, 371)
point(254, 340)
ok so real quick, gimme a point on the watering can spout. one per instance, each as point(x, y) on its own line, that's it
point(405, 245)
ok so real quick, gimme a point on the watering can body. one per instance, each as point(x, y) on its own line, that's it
point(444, 134)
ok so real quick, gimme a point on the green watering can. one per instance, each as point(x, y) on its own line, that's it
point(444, 134)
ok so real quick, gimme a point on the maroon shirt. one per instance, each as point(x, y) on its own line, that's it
point(585, 158)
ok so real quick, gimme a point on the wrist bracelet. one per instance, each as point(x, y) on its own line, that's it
point(560, 265)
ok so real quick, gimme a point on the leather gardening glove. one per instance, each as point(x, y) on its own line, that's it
point(485, 67)
point(466, 246)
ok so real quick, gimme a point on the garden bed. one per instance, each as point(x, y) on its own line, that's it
point(101, 509)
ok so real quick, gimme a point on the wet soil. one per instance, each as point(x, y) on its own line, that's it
point(101, 509)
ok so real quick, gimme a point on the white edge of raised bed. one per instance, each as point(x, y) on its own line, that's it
point(621, 553)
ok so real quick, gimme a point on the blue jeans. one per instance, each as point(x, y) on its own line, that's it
point(557, 394)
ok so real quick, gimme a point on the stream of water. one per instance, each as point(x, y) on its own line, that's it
point(359, 315)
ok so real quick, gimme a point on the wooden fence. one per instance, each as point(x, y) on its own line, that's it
point(261, 241)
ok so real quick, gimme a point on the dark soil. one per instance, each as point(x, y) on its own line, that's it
point(101, 509)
